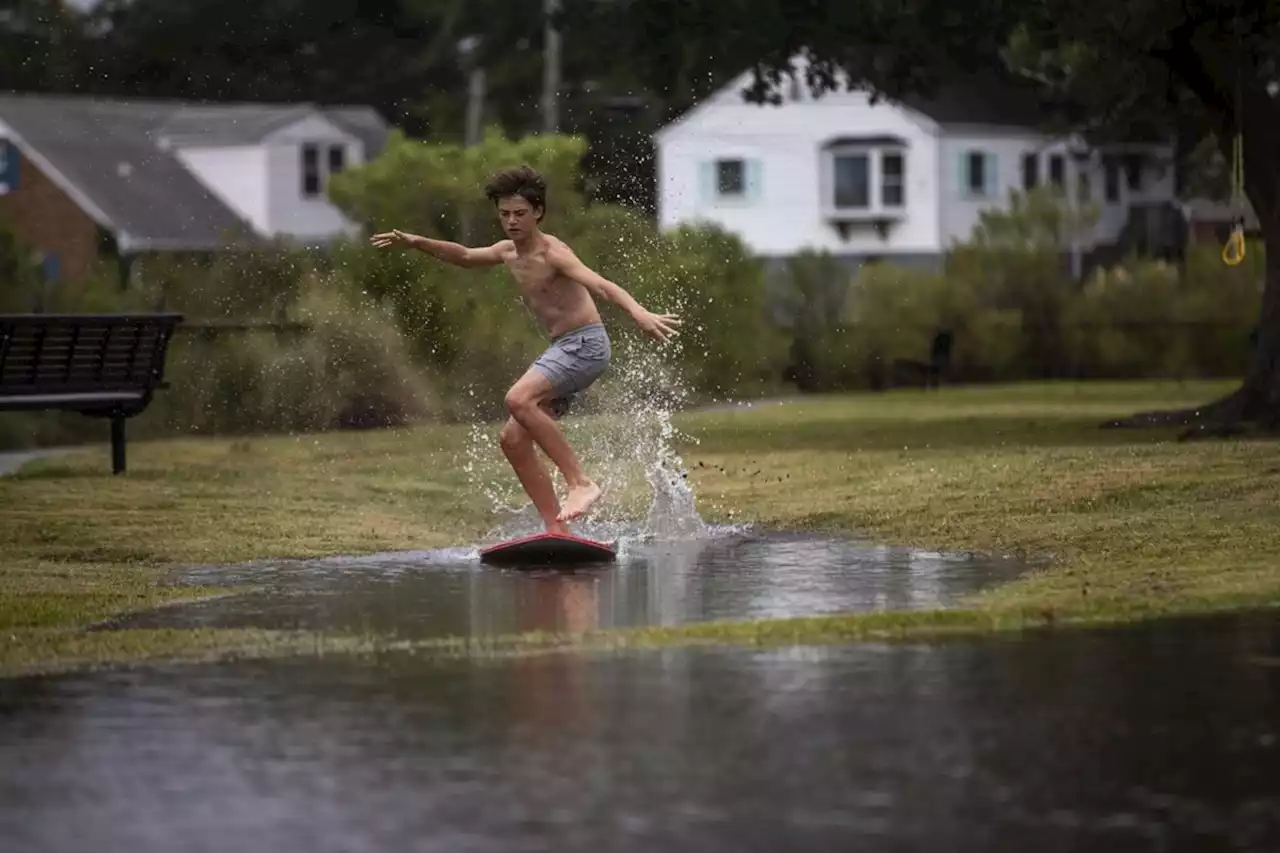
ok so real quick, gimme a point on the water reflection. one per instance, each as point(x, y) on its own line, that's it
point(734, 575)
point(1157, 737)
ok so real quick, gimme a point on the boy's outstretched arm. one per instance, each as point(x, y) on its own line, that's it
point(661, 326)
point(453, 253)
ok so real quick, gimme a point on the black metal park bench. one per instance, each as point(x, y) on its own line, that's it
point(100, 365)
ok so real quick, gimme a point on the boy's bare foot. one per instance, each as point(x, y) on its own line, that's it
point(558, 527)
point(578, 501)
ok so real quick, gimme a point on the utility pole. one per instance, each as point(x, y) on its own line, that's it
point(468, 50)
point(475, 105)
point(550, 68)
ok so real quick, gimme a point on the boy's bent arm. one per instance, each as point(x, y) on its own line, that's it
point(661, 326)
point(572, 267)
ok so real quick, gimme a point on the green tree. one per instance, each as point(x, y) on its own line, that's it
point(384, 53)
point(1109, 69)
point(40, 44)
point(437, 188)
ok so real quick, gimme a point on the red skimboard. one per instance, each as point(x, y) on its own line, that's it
point(548, 549)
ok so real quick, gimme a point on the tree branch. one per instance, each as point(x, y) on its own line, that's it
point(1189, 66)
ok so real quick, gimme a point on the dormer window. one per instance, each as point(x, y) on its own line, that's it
point(316, 170)
point(310, 171)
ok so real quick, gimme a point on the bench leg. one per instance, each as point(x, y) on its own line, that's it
point(117, 444)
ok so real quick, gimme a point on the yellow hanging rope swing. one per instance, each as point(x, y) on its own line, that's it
point(1234, 250)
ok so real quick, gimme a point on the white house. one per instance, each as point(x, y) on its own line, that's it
point(159, 176)
point(894, 181)
point(271, 169)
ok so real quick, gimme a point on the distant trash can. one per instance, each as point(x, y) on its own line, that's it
point(939, 358)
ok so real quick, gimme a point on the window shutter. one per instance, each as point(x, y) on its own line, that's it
point(962, 174)
point(992, 176)
point(51, 267)
point(755, 180)
point(8, 166)
point(707, 181)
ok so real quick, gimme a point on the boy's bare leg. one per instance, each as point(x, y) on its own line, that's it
point(519, 449)
point(524, 402)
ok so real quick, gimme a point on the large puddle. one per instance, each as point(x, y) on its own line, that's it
point(1155, 738)
point(727, 574)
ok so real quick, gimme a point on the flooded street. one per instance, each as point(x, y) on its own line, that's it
point(1152, 738)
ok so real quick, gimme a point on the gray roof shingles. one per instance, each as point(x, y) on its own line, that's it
point(112, 153)
point(238, 125)
point(982, 101)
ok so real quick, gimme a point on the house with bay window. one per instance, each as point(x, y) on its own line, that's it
point(897, 181)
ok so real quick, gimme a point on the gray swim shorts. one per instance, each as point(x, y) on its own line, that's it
point(572, 362)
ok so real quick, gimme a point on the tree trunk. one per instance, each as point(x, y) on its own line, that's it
point(1259, 396)
point(1256, 403)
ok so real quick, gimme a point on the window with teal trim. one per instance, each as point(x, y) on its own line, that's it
point(979, 176)
point(731, 179)
point(8, 167)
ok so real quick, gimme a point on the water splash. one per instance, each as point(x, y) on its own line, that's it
point(647, 393)
point(624, 432)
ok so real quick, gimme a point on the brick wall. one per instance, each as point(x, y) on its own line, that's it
point(44, 217)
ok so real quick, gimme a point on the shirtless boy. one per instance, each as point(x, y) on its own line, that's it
point(558, 288)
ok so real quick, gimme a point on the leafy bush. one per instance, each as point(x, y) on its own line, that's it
point(20, 284)
point(1014, 311)
point(823, 352)
point(1146, 318)
point(1016, 263)
point(728, 345)
point(1125, 323)
point(334, 359)
point(350, 368)
point(259, 284)
point(1228, 301)
point(897, 312)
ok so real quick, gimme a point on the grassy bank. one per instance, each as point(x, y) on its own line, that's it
point(1135, 523)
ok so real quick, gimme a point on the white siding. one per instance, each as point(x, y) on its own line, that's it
point(237, 175)
point(289, 211)
point(784, 213)
point(960, 210)
point(787, 176)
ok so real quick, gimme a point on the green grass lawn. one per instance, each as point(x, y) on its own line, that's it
point(1134, 521)
point(1132, 524)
